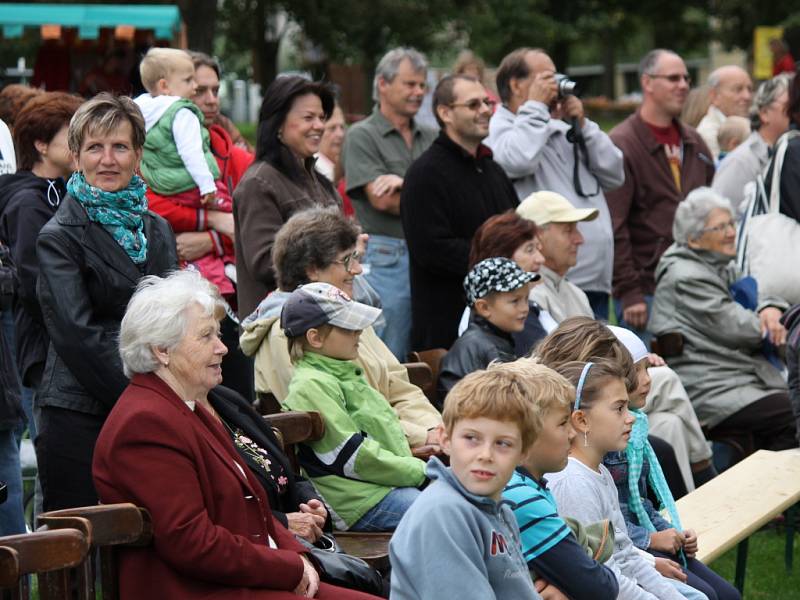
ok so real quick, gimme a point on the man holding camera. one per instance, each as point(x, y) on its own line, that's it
point(543, 141)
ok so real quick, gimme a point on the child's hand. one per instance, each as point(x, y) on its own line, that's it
point(425, 451)
point(548, 591)
point(669, 541)
point(669, 568)
point(690, 543)
point(655, 360)
point(209, 199)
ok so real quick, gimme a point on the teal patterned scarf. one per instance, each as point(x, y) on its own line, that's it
point(637, 450)
point(120, 213)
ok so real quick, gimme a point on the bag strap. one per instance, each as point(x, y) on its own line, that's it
point(777, 165)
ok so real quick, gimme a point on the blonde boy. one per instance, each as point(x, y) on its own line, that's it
point(177, 152)
point(551, 550)
point(459, 539)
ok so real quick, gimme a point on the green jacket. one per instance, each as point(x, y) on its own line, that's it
point(722, 365)
point(364, 453)
point(162, 167)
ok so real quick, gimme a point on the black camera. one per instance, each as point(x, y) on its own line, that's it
point(566, 87)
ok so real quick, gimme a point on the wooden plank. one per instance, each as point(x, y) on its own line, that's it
point(740, 501)
point(373, 548)
point(296, 427)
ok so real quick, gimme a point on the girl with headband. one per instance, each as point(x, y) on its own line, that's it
point(585, 490)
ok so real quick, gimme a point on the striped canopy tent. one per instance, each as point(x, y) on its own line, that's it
point(88, 19)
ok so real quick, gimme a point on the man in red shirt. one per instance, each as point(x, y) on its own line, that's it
point(664, 160)
point(782, 60)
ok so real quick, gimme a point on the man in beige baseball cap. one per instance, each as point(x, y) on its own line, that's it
point(557, 221)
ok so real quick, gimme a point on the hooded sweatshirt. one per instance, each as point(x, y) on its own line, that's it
point(177, 150)
point(263, 339)
point(452, 543)
point(27, 202)
point(363, 453)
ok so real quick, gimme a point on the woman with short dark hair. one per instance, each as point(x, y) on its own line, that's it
point(321, 245)
point(28, 199)
point(281, 181)
point(92, 252)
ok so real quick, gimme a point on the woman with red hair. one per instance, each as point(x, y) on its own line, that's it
point(510, 236)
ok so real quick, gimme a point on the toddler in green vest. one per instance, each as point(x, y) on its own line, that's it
point(177, 162)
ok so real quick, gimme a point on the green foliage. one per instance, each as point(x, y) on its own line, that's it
point(361, 31)
point(766, 578)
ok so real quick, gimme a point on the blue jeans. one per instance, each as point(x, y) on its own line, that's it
point(386, 269)
point(12, 518)
point(687, 591)
point(386, 514)
point(599, 303)
point(27, 393)
point(643, 334)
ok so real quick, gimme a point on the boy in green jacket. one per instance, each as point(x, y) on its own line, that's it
point(363, 466)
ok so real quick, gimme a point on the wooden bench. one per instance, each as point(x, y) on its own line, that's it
point(106, 527)
point(727, 510)
point(432, 358)
point(50, 555)
point(296, 427)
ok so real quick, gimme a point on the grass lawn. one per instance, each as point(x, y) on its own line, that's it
point(766, 574)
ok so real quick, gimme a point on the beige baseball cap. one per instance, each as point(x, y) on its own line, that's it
point(549, 207)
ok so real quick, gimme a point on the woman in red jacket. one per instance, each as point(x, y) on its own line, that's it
point(164, 448)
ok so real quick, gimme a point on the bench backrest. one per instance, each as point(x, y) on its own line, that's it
point(107, 527)
point(432, 358)
point(51, 556)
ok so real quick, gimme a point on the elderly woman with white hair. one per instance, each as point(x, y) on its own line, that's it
point(722, 365)
point(165, 448)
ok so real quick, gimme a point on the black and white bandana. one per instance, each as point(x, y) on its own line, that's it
point(495, 275)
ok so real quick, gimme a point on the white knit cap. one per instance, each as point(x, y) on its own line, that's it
point(631, 342)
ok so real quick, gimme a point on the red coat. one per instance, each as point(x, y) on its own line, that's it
point(210, 520)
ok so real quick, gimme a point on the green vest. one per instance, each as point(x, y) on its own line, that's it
point(162, 167)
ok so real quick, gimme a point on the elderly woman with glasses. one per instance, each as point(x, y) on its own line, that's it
point(321, 244)
point(723, 364)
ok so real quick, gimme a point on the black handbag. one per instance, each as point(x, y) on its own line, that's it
point(337, 568)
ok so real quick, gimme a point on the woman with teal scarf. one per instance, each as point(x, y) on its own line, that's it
point(636, 470)
point(101, 241)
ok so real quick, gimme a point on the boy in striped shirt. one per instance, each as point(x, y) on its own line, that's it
point(548, 544)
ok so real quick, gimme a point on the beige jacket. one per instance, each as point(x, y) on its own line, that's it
point(263, 339)
point(561, 298)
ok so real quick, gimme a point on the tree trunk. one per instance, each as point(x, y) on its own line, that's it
point(609, 65)
point(265, 52)
point(200, 17)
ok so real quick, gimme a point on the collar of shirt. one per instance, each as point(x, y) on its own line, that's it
point(385, 127)
point(552, 277)
point(448, 143)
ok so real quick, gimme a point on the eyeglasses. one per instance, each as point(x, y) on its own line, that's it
point(674, 78)
point(348, 260)
point(721, 228)
point(476, 103)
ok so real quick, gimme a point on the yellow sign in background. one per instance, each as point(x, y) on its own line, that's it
point(762, 56)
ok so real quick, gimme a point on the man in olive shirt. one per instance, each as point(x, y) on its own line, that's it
point(377, 153)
